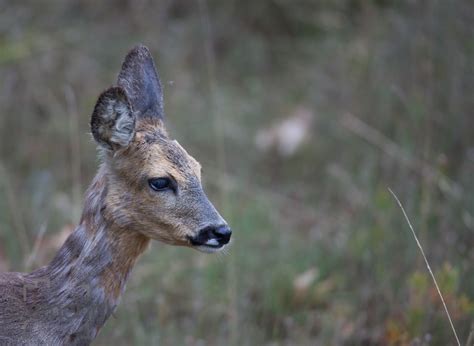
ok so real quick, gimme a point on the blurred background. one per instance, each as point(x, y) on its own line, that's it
point(302, 114)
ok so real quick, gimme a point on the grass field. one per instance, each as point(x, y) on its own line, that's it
point(381, 93)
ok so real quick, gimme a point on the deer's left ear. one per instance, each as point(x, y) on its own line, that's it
point(140, 80)
point(113, 121)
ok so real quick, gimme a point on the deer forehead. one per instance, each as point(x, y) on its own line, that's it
point(165, 157)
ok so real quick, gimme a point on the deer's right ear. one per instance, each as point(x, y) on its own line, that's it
point(113, 121)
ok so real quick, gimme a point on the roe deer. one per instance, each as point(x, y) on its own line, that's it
point(147, 187)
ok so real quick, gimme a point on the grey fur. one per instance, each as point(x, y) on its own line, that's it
point(64, 302)
point(113, 121)
point(139, 94)
point(140, 81)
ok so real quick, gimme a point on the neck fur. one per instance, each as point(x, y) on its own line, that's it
point(88, 274)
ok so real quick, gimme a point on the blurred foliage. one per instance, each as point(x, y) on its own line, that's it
point(322, 254)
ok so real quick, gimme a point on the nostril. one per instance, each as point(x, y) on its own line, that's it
point(222, 233)
point(213, 236)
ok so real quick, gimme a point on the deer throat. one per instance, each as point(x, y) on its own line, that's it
point(84, 282)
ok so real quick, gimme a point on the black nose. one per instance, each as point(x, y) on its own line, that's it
point(222, 234)
point(212, 236)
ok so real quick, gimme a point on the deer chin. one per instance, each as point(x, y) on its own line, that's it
point(209, 248)
point(211, 245)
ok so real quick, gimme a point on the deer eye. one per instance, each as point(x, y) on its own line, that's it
point(160, 184)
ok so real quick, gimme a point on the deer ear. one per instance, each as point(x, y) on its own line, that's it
point(113, 121)
point(140, 81)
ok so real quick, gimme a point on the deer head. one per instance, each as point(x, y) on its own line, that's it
point(153, 184)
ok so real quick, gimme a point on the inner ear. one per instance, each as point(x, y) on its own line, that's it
point(113, 121)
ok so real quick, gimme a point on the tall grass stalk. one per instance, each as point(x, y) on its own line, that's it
point(427, 264)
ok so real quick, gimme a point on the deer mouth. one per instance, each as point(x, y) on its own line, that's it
point(210, 246)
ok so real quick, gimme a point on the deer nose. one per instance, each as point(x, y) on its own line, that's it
point(222, 234)
point(212, 236)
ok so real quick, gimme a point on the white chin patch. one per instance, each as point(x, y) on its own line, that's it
point(209, 249)
point(212, 242)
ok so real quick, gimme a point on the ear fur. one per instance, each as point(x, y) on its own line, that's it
point(139, 78)
point(113, 121)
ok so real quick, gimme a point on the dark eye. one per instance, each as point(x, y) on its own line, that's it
point(160, 184)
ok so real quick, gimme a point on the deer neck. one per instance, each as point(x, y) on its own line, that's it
point(89, 273)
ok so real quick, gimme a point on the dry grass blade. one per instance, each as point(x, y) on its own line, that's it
point(34, 253)
point(427, 264)
point(470, 339)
